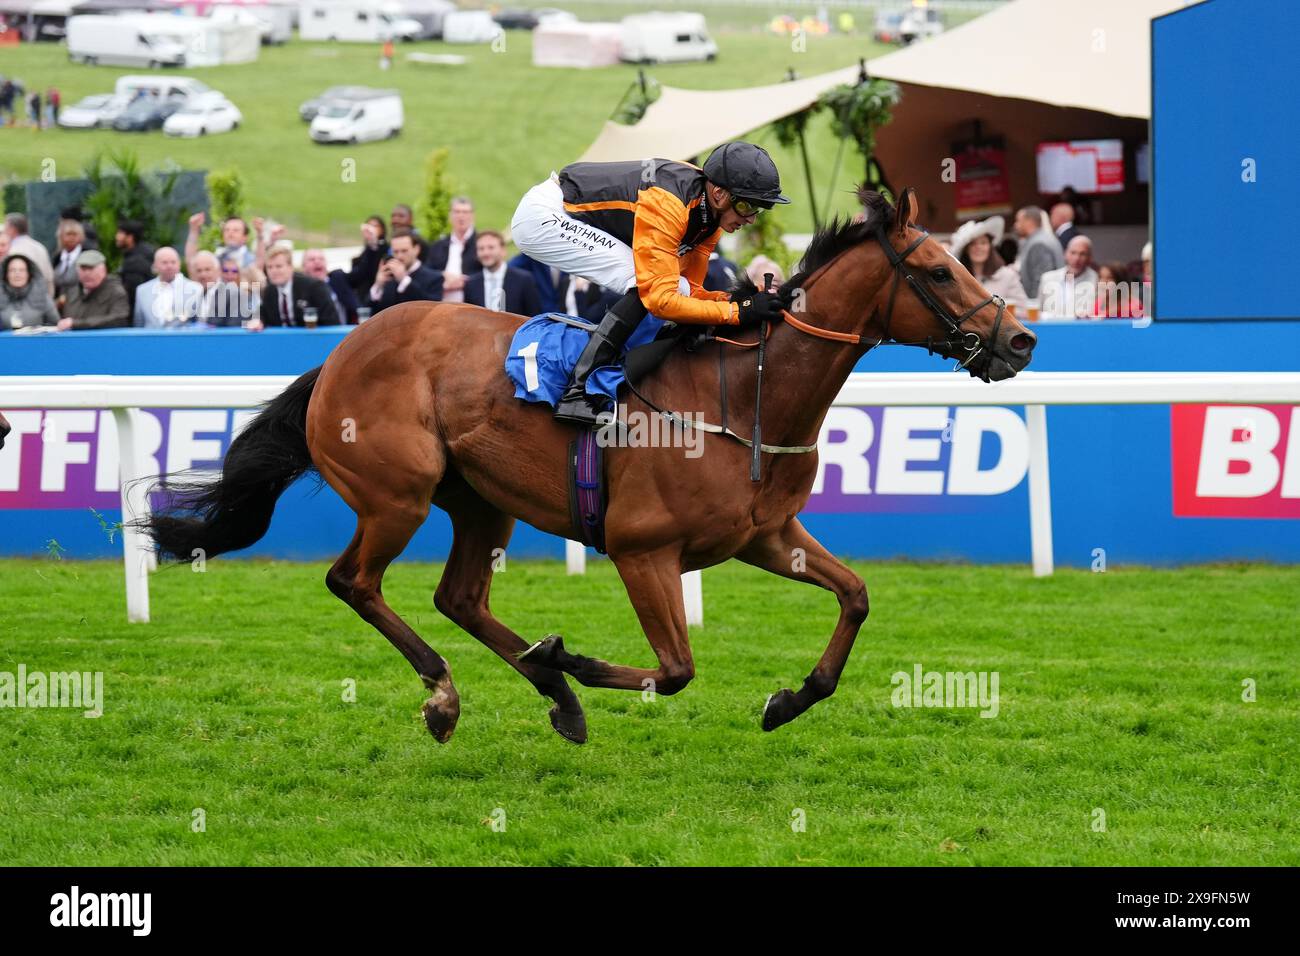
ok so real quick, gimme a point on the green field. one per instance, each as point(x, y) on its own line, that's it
point(507, 124)
point(1119, 692)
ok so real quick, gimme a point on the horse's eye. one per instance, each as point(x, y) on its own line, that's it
point(940, 275)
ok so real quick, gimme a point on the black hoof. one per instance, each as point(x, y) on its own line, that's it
point(442, 710)
point(545, 652)
point(572, 727)
point(780, 710)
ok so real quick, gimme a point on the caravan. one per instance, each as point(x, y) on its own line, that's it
point(667, 38)
point(354, 21)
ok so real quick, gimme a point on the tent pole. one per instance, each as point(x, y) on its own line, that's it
point(803, 150)
point(807, 172)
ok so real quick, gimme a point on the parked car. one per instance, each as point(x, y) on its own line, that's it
point(120, 41)
point(377, 115)
point(147, 112)
point(309, 108)
point(906, 26)
point(209, 113)
point(93, 111)
point(523, 18)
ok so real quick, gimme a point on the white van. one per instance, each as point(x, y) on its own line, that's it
point(354, 21)
point(470, 26)
point(358, 119)
point(120, 41)
point(160, 85)
point(667, 38)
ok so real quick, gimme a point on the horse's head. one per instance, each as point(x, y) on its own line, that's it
point(932, 299)
point(4, 429)
point(915, 292)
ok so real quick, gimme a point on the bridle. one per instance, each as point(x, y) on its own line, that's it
point(956, 342)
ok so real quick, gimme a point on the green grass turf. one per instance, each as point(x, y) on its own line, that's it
point(507, 124)
point(1120, 691)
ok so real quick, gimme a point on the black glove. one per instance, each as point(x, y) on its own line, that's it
point(757, 307)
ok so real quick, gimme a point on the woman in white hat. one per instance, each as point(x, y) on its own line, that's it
point(972, 246)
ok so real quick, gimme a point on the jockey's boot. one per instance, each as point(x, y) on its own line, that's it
point(603, 349)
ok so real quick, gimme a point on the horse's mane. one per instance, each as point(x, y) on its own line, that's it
point(832, 239)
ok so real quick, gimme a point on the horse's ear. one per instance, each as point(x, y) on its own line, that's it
point(907, 210)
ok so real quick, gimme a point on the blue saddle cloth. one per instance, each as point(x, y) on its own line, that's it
point(545, 350)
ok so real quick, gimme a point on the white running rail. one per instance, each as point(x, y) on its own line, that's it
point(124, 394)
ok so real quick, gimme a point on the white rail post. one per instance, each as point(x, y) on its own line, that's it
point(575, 557)
point(1040, 491)
point(693, 596)
point(135, 504)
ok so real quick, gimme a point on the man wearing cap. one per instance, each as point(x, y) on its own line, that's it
point(98, 300)
point(647, 227)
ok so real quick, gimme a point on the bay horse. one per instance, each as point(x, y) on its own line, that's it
point(414, 408)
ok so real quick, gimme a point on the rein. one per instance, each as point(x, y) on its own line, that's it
point(957, 340)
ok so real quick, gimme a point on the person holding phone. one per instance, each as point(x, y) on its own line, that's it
point(402, 277)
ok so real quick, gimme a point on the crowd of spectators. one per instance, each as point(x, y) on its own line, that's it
point(1043, 266)
point(247, 279)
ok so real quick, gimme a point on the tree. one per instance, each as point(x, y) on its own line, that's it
point(226, 190)
point(434, 212)
point(121, 189)
point(857, 111)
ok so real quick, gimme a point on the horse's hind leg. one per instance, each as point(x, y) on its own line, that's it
point(481, 535)
point(357, 577)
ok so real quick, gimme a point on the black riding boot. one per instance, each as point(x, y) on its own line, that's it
point(604, 348)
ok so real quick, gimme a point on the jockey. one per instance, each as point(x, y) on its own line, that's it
point(646, 228)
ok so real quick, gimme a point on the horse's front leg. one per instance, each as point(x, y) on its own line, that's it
point(654, 586)
point(793, 553)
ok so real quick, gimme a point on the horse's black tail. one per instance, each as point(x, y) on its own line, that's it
point(234, 510)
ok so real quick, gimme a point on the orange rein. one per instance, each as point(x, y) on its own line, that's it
point(804, 327)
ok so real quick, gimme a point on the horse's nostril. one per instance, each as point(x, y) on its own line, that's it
point(1023, 342)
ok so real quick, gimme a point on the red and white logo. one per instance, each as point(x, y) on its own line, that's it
point(1236, 461)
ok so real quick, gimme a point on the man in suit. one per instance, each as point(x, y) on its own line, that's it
point(224, 303)
point(1039, 250)
point(455, 254)
point(288, 294)
point(1071, 292)
point(340, 289)
point(98, 300)
point(137, 257)
point(497, 286)
point(170, 300)
point(70, 244)
point(1062, 216)
point(402, 277)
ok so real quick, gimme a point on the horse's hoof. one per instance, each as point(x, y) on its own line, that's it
point(545, 651)
point(442, 710)
point(779, 710)
point(572, 727)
